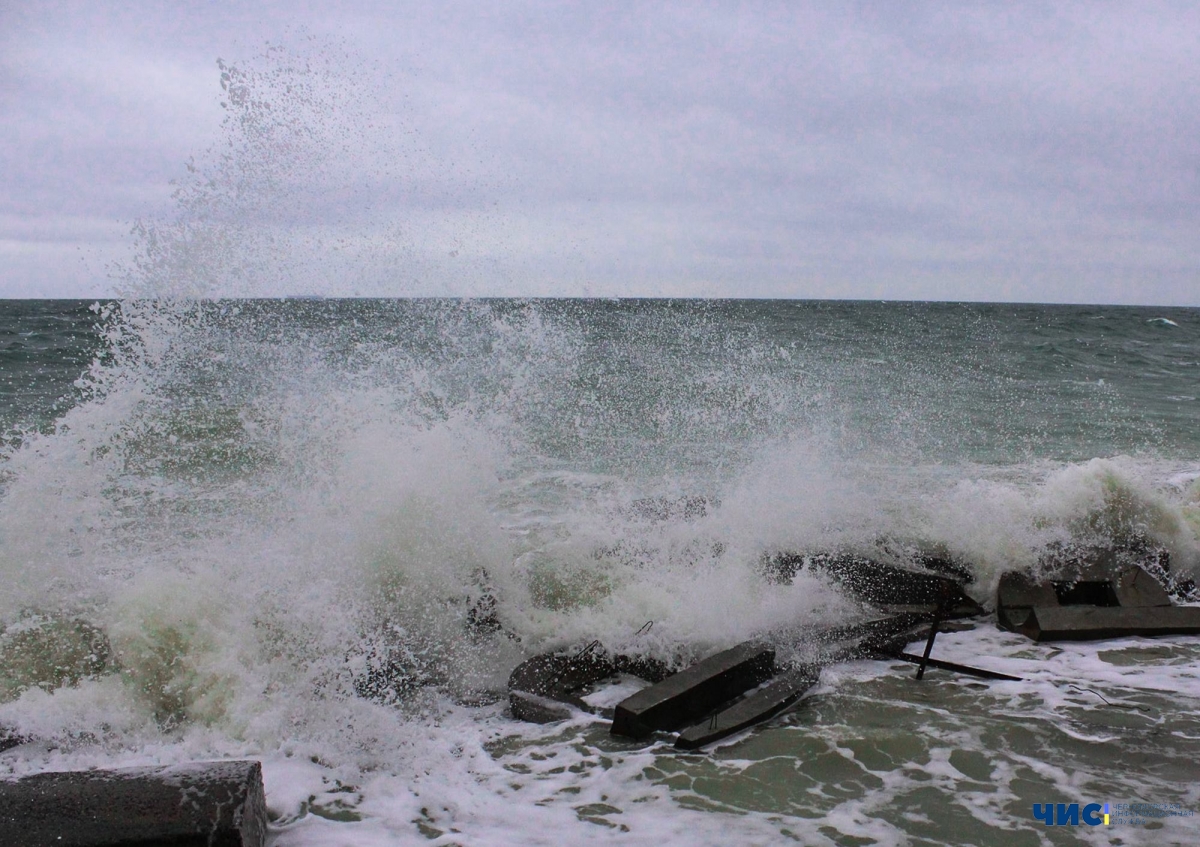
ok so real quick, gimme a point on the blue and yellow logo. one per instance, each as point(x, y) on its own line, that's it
point(1119, 814)
point(1068, 814)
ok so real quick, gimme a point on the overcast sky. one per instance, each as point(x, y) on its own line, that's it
point(955, 151)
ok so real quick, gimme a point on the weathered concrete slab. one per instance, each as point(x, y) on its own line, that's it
point(695, 691)
point(1085, 623)
point(210, 804)
point(759, 705)
point(1098, 598)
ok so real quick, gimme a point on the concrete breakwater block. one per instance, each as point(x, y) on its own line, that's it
point(214, 804)
point(1091, 602)
point(757, 706)
point(695, 691)
point(1087, 623)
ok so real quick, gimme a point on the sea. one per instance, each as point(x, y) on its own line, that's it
point(222, 519)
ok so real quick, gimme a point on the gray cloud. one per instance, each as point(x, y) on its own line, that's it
point(994, 151)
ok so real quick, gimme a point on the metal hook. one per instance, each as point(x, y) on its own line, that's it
point(587, 649)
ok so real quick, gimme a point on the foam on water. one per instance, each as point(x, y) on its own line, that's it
point(261, 506)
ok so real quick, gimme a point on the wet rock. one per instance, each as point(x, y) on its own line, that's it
point(1137, 551)
point(9, 739)
point(1064, 561)
point(547, 687)
point(556, 678)
point(644, 667)
point(879, 584)
point(945, 565)
point(537, 709)
point(482, 619)
point(211, 804)
point(757, 706)
point(936, 559)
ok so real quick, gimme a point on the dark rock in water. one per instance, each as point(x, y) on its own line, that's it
point(645, 667)
point(1138, 551)
point(392, 663)
point(212, 804)
point(715, 697)
point(555, 679)
point(695, 691)
point(875, 637)
point(937, 560)
point(1090, 623)
point(546, 688)
point(883, 585)
point(1061, 561)
point(1184, 590)
point(952, 568)
point(482, 619)
point(9, 739)
point(535, 708)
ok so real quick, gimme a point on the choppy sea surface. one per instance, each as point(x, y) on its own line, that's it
point(249, 501)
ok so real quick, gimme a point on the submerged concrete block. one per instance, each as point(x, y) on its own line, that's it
point(205, 804)
point(695, 691)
